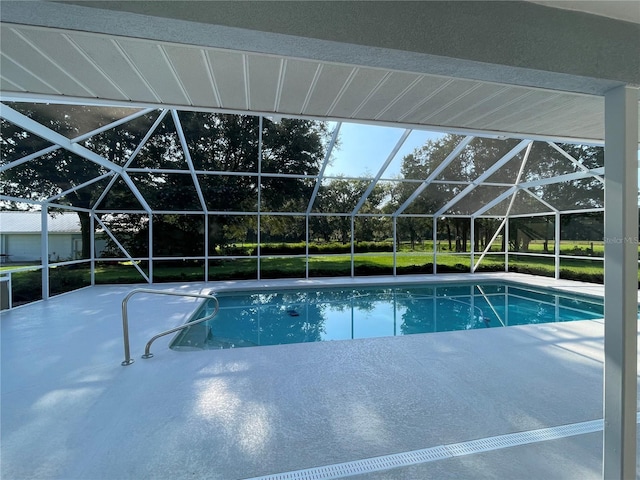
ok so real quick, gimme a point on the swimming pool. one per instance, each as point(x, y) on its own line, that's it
point(339, 313)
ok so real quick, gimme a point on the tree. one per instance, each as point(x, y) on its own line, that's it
point(575, 194)
point(543, 162)
point(61, 170)
point(485, 228)
point(225, 144)
point(339, 196)
point(230, 143)
point(418, 166)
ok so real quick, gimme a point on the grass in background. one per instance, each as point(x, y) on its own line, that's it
point(26, 284)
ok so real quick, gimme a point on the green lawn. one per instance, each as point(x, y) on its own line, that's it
point(27, 284)
point(337, 265)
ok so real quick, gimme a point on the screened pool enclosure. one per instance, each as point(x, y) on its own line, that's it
point(187, 195)
point(198, 141)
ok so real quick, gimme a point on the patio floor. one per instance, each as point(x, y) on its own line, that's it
point(71, 411)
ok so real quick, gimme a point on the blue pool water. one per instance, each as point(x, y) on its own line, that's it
point(296, 316)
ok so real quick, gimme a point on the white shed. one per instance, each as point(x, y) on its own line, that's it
point(20, 237)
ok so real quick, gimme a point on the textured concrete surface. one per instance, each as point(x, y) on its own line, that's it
point(569, 458)
point(70, 410)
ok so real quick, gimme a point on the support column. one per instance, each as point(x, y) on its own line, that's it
point(353, 267)
point(44, 249)
point(506, 244)
point(395, 246)
point(556, 245)
point(620, 277)
point(306, 247)
point(259, 233)
point(206, 247)
point(473, 244)
point(435, 244)
point(92, 247)
point(150, 274)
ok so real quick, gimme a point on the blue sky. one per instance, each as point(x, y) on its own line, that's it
point(364, 148)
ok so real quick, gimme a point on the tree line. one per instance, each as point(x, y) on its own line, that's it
point(291, 150)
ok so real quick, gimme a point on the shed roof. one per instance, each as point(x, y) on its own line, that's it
point(29, 222)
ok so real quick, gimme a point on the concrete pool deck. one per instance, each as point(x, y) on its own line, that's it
point(71, 411)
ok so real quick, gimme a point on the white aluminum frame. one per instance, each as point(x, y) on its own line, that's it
point(116, 171)
point(620, 282)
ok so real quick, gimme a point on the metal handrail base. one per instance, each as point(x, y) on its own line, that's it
point(125, 320)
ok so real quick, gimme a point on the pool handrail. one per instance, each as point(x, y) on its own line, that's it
point(125, 319)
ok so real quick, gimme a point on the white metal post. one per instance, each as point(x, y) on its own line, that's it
point(473, 243)
point(620, 279)
point(435, 243)
point(259, 226)
point(206, 247)
point(556, 245)
point(353, 268)
point(150, 248)
point(506, 244)
point(306, 247)
point(10, 291)
point(92, 247)
point(44, 249)
point(394, 221)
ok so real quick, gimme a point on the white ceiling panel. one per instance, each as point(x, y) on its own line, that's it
point(591, 129)
point(33, 60)
point(536, 101)
point(547, 115)
point(298, 79)
point(356, 90)
point(154, 67)
point(108, 57)
point(459, 111)
point(61, 50)
point(192, 67)
point(528, 98)
point(7, 85)
point(445, 97)
point(415, 97)
point(264, 82)
point(482, 110)
point(27, 81)
point(229, 76)
point(390, 91)
point(576, 116)
point(49, 63)
point(328, 85)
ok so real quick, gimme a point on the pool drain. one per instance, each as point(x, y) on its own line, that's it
point(425, 455)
